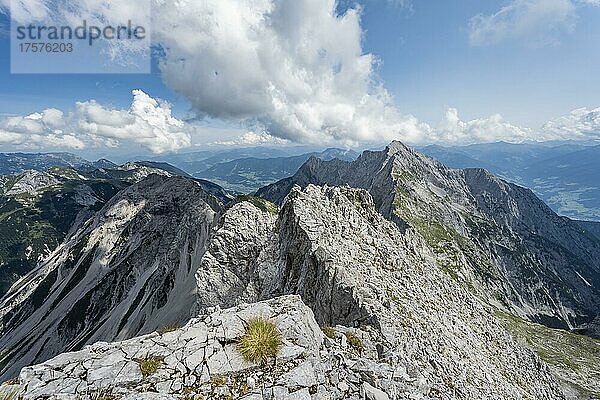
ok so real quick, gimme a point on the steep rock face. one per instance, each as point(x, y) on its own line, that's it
point(31, 182)
point(201, 360)
point(38, 210)
point(356, 269)
point(496, 238)
point(228, 273)
point(127, 271)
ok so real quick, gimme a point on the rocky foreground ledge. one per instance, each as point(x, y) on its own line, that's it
point(417, 333)
point(201, 361)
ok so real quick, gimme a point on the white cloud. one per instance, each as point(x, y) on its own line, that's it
point(148, 122)
point(99, 13)
point(294, 66)
point(26, 10)
point(253, 139)
point(39, 141)
point(452, 130)
point(580, 124)
point(293, 69)
point(38, 131)
point(539, 21)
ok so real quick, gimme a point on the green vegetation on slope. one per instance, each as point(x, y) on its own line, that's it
point(262, 204)
point(32, 225)
point(574, 358)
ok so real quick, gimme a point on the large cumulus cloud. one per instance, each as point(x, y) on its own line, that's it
point(147, 122)
point(294, 67)
point(580, 124)
point(452, 130)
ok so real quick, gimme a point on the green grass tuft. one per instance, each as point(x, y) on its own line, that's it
point(328, 331)
point(150, 365)
point(261, 342)
point(168, 328)
point(354, 341)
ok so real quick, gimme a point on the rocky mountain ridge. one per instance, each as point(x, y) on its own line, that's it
point(39, 209)
point(128, 270)
point(563, 174)
point(496, 238)
point(355, 269)
point(402, 328)
point(37, 212)
point(404, 277)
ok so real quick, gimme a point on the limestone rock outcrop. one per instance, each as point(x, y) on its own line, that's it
point(354, 268)
point(496, 238)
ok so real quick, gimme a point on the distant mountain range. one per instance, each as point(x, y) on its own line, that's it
point(15, 163)
point(247, 175)
point(243, 170)
point(40, 208)
point(564, 175)
point(416, 273)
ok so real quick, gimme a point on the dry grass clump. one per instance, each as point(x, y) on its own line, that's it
point(168, 328)
point(261, 342)
point(150, 365)
point(354, 341)
point(102, 394)
point(329, 331)
point(6, 394)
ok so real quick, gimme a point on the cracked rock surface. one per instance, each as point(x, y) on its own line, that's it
point(199, 359)
point(354, 268)
point(397, 326)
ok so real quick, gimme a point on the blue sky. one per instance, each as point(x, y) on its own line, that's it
point(427, 62)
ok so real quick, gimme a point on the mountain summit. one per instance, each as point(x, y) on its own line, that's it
point(496, 238)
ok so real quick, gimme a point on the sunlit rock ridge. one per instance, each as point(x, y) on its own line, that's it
point(494, 237)
point(389, 277)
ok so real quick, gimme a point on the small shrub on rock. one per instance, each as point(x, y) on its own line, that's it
point(261, 342)
point(149, 365)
